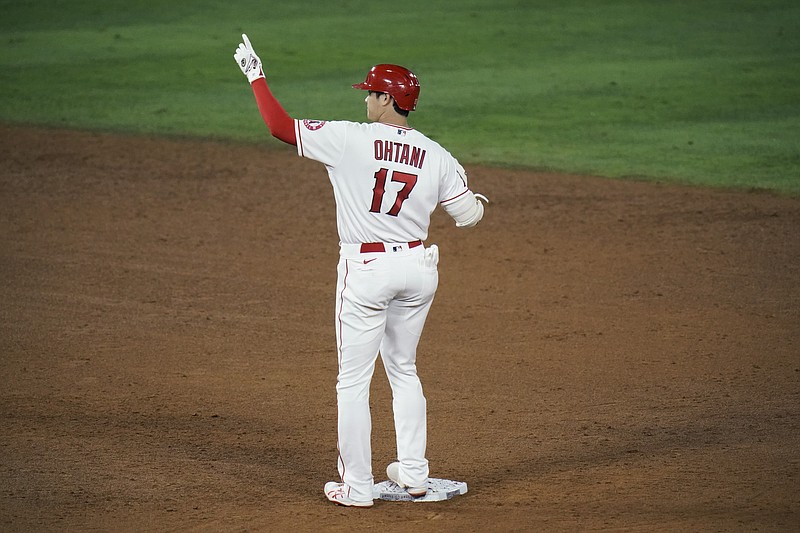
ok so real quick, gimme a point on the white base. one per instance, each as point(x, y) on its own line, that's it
point(438, 490)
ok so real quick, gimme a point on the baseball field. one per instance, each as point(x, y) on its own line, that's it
point(616, 347)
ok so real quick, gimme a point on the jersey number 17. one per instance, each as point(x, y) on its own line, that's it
point(408, 181)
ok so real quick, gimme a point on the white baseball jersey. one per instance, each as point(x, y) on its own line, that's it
point(387, 180)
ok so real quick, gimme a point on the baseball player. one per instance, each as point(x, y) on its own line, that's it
point(387, 180)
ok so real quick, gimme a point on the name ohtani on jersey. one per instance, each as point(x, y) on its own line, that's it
point(399, 153)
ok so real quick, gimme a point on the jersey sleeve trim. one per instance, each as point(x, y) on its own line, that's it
point(312, 151)
point(299, 137)
point(454, 197)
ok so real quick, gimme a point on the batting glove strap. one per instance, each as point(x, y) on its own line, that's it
point(248, 60)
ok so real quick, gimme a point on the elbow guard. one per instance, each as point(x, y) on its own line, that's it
point(466, 210)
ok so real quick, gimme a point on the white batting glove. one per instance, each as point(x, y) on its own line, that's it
point(431, 257)
point(248, 61)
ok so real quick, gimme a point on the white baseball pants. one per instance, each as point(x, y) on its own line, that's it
point(382, 301)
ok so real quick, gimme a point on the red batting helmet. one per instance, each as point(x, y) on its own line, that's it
point(399, 82)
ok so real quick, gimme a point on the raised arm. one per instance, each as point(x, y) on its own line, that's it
point(280, 124)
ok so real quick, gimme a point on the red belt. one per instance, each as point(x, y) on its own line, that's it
point(372, 247)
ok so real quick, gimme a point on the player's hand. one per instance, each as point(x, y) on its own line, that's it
point(248, 61)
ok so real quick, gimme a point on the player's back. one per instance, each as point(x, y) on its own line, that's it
point(389, 181)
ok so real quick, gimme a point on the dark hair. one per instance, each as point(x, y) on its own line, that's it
point(401, 112)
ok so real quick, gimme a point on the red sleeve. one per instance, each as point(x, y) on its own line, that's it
point(280, 124)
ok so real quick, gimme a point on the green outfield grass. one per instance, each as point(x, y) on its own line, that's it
point(701, 92)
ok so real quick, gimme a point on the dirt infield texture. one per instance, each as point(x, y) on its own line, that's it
point(601, 355)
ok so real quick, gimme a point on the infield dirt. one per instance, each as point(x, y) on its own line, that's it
point(601, 355)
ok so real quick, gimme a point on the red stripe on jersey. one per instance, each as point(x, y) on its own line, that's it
point(454, 197)
point(298, 131)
